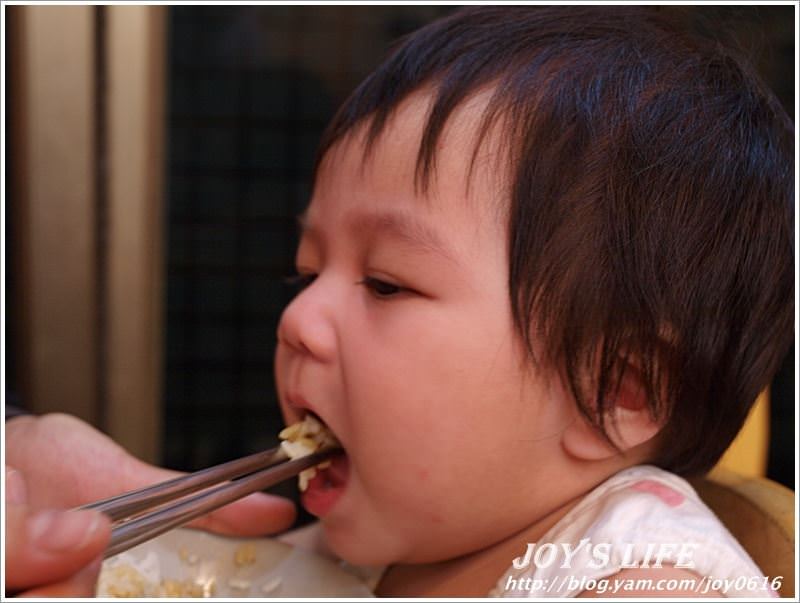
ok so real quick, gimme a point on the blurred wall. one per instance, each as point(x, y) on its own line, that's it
point(86, 97)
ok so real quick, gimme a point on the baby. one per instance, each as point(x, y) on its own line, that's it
point(547, 267)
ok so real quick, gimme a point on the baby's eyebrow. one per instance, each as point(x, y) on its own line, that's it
point(402, 226)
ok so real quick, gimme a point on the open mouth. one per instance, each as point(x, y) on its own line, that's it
point(323, 484)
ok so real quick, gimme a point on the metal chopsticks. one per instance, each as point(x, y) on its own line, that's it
point(249, 474)
point(125, 505)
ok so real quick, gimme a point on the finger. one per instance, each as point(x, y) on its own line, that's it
point(48, 546)
point(253, 515)
point(82, 584)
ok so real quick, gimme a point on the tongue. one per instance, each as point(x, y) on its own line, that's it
point(333, 476)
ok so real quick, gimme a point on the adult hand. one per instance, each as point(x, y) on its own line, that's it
point(55, 462)
point(67, 463)
point(50, 553)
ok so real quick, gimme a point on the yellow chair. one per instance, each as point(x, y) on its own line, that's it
point(760, 514)
point(756, 510)
point(747, 454)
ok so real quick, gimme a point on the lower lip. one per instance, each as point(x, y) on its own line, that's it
point(327, 486)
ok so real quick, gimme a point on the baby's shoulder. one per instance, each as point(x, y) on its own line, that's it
point(644, 513)
point(642, 524)
point(649, 513)
point(639, 498)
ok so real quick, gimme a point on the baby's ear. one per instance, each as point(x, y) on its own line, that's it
point(628, 420)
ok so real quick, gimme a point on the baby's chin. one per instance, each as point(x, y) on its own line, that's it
point(358, 550)
point(375, 525)
point(365, 540)
point(366, 543)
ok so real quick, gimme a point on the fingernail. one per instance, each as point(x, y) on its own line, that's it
point(60, 531)
point(16, 492)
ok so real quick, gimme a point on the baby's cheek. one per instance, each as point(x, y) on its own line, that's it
point(411, 488)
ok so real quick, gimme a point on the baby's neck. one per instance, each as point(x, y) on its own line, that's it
point(471, 575)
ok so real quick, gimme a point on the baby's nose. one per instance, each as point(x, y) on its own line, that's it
point(307, 324)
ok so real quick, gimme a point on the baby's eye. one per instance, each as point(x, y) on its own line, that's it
point(298, 282)
point(380, 288)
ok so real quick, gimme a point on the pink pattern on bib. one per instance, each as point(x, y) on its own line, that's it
point(665, 493)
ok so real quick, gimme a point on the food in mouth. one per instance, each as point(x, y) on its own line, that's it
point(307, 437)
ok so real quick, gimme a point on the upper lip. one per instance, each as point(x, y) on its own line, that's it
point(299, 407)
point(298, 402)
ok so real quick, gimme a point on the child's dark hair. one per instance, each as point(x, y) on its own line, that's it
point(650, 220)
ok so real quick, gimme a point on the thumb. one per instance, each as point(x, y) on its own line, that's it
point(50, 545)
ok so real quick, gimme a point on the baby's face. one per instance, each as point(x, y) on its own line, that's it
point(403, 344)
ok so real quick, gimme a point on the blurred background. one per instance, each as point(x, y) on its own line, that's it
point(156, 158)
